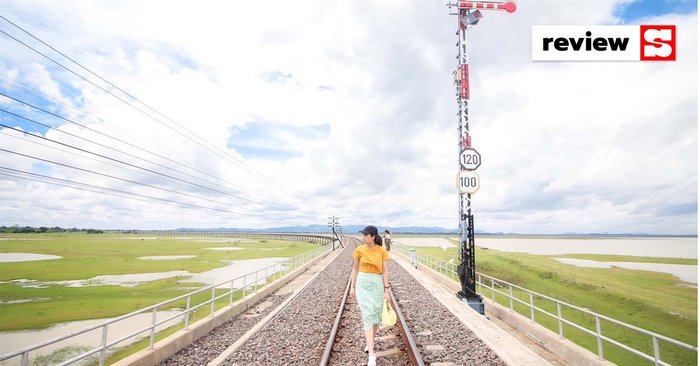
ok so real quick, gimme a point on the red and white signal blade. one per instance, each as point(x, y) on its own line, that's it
point(508, 6)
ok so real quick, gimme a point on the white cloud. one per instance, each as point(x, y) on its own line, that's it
point(566, 146)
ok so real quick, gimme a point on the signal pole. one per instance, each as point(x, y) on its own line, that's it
point(334, 222)
point(468, 15)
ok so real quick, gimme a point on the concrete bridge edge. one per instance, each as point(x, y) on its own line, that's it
point(169, 346)
point(564, 349)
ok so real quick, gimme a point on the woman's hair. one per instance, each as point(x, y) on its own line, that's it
point(378, 240)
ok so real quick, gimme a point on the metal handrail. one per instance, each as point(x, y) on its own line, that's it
point(441, 266)
point(288, 265)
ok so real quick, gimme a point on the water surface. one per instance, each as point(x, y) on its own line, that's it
point(685, 272)
point(641, 247)
point(25, 257)
point(15, 340)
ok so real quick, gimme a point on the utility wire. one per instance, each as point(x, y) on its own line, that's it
point(105, 162)
point(124, 194)
point(248, 191)
point(117, 150)
point(101, 190)
point(63, 151)
point(123, 179)
point(120, 161)
point(226, 156)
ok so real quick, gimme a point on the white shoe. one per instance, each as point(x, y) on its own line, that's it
point(372, 360)
point(366, 349)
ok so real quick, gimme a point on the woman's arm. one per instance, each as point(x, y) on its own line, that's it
point(353, 276)
point(385, 274)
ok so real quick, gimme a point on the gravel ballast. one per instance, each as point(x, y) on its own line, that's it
point(298, 334)
point(432, 324)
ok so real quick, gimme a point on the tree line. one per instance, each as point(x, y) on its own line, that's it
point(16, 229)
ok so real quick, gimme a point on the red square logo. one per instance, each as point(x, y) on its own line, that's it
point(657, 42)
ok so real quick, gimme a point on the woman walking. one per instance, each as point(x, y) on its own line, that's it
point(387, 240)
point(370, 282)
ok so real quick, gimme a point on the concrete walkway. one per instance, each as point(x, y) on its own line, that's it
point(508, 348)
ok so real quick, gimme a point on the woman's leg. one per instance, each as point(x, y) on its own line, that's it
point(369, 336)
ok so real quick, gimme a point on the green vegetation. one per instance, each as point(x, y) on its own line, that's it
point(61, 355)
point(649, 300)
point(145, 343)
point(87, 256)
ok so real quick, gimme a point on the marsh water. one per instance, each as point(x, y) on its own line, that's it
point(14, 340)
point(640, 247)
point(685, 272)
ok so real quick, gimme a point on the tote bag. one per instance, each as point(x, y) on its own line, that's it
point(388, 314)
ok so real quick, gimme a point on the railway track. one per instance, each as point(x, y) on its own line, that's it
point(346, 340)
point(320, 324)
point(295, 333)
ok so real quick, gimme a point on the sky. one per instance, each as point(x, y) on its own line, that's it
point(262, 114)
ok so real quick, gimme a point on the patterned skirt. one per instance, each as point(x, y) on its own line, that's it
point(369, 289)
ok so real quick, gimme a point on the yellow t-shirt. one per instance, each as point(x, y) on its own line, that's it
point(371, 260)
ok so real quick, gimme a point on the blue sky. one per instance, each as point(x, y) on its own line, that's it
point(355, 116)
point(274, 140)
point(633, 11)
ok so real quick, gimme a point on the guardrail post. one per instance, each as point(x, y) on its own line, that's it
point(657, 353)
point(213, 295)
point(493, 291)
point(230, 299)
point(187, 313)
point(103, 353)
point(245, 284)
point(532, 307)
point(153, 328)
point(255, 285)
point(600, 340)
point(25, 359)
point(510, 290)
point(478, 281)
point(561, 325)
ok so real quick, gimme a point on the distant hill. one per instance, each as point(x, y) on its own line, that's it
point(349, 229)
point(354, 229)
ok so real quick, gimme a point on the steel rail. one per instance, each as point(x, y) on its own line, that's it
point(331, 339)
point(411, 346)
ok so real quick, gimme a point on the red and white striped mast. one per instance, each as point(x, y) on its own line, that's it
point(468, 15)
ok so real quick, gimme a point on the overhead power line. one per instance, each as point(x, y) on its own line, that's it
point(240, 189)
point(41, 178)
point(122, 152)
point(122, 179)
point(129, 195)
point(196, 137)
point(105, 162)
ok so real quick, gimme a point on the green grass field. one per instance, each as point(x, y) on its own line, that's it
point(649, 300)
point(86, 256)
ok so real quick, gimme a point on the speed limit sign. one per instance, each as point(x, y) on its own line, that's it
point(470, 159)
point(467, 182)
